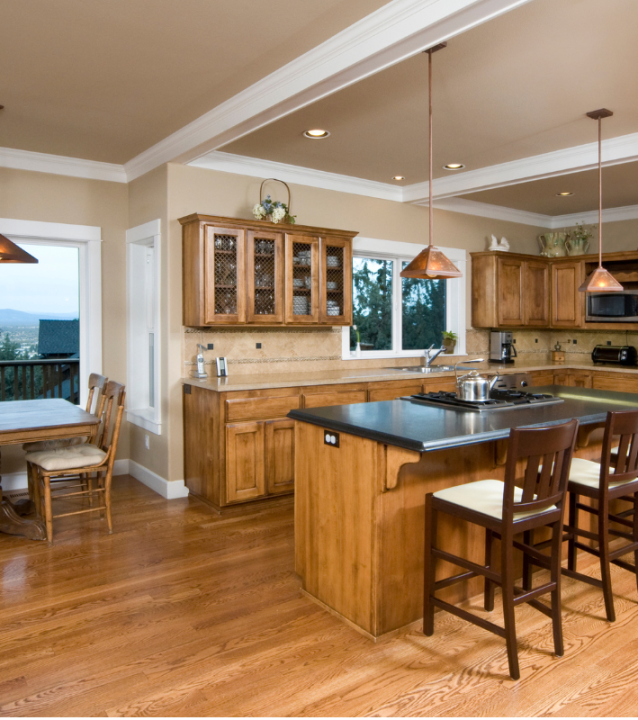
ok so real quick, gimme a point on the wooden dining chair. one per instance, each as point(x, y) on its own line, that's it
point(76, 461)
point(614, 478)
point(506, 511)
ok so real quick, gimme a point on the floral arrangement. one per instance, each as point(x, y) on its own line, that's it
point(582, 232)
point(275, 211)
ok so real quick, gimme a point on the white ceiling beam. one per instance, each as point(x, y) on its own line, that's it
point(61, 165)
point(396, 31)
point(615, 151)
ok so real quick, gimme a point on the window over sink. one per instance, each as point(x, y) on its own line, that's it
point(401, 317)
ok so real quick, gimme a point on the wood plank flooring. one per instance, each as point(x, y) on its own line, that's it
point(181, 612)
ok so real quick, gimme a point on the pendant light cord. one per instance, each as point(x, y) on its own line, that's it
point(431, 209)
point(600, 193)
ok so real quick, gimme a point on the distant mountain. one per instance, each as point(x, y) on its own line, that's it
point(9, 316)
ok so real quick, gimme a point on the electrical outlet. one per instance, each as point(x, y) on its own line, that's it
point(147, 442)
point(535, 340)
point(608, 342)
point(575, 342)
point(258, 346)
point(330, 438)
point(210, 346)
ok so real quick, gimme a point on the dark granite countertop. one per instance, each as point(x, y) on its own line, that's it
point(423, 428)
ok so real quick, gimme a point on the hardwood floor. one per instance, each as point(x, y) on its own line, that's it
point(181, 612)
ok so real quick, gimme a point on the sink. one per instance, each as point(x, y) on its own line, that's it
point(421, 369)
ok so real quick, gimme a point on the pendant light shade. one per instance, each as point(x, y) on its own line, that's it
point(431, 263)
point(600, 280)
point(11, 253)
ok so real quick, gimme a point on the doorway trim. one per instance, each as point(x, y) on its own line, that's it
point(88, 240)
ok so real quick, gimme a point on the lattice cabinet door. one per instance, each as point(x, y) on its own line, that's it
point(225, 276)
point(264, 277)
point(302, 279)
point(336, 281)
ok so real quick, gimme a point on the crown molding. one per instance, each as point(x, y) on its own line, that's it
point(628, 212)
point(496, 212)
point(61, 165)
point(559, 162)
point(254, 167)
point(398, 30)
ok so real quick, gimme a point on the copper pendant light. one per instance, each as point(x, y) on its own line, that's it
point(600, 280)
point(431, 263)
point(11, 253)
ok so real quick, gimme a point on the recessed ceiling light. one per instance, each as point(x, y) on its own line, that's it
point(454, 166)
point(564, 194)
point(398, 177)
point(316, 134)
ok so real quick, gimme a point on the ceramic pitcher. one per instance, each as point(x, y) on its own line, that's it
point(576, 246)
point(553, 244)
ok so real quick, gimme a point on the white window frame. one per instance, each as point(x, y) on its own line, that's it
point(139, 411)
point(455, 296)
point(88, 240)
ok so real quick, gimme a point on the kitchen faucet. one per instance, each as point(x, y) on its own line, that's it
point(430, 357)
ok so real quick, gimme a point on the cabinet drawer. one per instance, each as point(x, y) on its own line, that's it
point(349, 397)
point(266, 408)
point(394, 391)
point(540, 378)
point(620, 383)
point(442, 384)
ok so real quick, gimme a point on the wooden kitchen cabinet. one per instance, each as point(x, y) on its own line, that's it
point(620, 382)
point(379, 392)
point(243, 272)
point(245, 472)
point(280, 456)
point(535, 293)
point(510, 288)
point(567, 303)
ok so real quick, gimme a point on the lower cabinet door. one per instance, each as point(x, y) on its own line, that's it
point(280, 456)
point(245, 471)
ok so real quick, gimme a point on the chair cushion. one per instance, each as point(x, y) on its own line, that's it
point(76, 456)
point(587, 472)
point(485, 497)
point(52, 444)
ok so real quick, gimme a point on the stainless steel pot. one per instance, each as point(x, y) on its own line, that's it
point(474, 387)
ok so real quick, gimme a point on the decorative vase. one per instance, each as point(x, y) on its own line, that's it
point(449, 345)
point(357, 351)
point(576, 246)
point(553, 244)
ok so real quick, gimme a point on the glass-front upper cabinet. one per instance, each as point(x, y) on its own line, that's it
point(224, 287)
point(264, 277)
point(336, 281)
point(302, 279)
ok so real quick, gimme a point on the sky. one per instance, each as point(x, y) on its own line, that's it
point(51, 286)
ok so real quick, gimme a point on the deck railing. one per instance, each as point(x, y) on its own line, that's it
point(33, 379)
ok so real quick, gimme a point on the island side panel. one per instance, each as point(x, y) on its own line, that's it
point(401, 521)
point(334, 521)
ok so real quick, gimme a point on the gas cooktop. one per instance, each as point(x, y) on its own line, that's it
point(500, 399)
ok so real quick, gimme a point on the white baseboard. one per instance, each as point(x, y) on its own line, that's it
point(121, 467)
point(168, 490)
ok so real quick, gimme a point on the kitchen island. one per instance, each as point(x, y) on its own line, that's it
point(361, 475)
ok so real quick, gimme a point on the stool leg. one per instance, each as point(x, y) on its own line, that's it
point(429, 566)
point(573, 523)
point(507, 574)
point(48, 514)
point(557, 624)
point(605, 564)
point(488, 599)
point(528, 539)
point(635, 528)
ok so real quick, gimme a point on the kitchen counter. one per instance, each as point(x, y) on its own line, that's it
point(265, 381)
point(425, 428)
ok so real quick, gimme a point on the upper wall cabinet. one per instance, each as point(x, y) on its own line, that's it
point(242, 272)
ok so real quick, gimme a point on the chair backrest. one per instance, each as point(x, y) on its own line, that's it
point(95, 401)
point(546, 453)
point(624, 460)
point(109, 431)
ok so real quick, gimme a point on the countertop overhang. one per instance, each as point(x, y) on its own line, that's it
point(422, 428)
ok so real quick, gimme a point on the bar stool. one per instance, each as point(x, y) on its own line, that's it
point(615, 477)
point(505, 510)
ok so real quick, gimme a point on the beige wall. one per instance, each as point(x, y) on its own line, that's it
point(28, 195)
point(617, 236)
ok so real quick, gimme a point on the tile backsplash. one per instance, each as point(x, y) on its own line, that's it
point(574, 342)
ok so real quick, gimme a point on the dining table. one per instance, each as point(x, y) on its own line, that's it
point(23, 421)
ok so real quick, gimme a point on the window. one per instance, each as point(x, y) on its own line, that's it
point(401, 317)
point(143, 323)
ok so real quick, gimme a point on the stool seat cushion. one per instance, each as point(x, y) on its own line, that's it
point(52, 444)
point(76, 456)
point(587, 472)
point(486, 497)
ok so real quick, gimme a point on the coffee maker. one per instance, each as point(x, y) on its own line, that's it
point(502, 348)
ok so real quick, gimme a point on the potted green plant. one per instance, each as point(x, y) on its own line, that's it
point(449, 341)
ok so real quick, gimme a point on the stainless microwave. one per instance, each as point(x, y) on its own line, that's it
point(612, 307)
